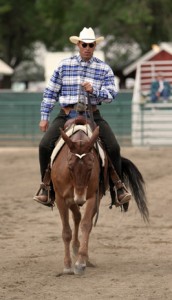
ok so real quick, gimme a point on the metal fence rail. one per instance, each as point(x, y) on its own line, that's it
point(147, 125)
point(20, 115)
point(156, 124)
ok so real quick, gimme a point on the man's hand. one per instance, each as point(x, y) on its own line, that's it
point(43, 125)
point(87, 87)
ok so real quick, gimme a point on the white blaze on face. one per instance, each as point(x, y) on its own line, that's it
point(80, 156)
point(80, 194)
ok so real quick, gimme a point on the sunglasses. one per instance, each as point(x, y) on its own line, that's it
point(91, 45)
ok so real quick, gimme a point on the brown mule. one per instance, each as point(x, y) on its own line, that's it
point(75, 175)
point(76, 178)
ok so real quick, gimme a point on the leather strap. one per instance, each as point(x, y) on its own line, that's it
point(47, 176)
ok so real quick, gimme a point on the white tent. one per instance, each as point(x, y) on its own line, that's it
point(5, 69)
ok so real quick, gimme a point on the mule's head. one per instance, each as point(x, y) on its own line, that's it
point(80, 162)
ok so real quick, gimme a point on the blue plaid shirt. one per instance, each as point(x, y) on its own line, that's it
point(65, 84)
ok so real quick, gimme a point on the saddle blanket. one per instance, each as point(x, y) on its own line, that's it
point(74, 128)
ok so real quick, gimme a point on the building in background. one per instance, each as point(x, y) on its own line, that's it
point(158, 59)
point(151, 123)
point(5, 74)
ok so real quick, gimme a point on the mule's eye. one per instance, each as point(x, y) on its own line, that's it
point(71, 161)
point(70, 167)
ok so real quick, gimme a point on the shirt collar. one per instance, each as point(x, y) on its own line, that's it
point(88, 62)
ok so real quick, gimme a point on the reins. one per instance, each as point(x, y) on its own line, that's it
point(90, 112)
point(93, 127)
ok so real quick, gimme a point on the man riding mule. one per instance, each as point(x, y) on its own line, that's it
point(76, 80)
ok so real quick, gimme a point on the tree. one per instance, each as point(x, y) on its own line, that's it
point(18, 30)
point(126, 23)
point(52, 16)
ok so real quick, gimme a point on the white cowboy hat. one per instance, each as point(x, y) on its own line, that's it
point(87, 36)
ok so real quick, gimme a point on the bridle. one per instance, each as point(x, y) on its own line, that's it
point(80, 156)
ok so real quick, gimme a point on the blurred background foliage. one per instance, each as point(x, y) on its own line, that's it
point(129, 26)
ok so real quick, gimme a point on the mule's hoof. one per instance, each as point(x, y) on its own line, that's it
point(79, 269)
point(68, 271)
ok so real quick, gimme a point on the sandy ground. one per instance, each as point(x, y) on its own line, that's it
point(133, 260)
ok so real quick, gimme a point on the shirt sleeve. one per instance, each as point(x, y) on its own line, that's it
point(51, 95)
point(108, 90)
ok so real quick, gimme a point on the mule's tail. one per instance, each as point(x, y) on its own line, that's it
point(135, 181)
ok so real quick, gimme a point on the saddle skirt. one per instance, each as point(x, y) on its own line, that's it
point(70, 131)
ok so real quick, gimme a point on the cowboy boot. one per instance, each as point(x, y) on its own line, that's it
point(122, 194)
point(115, 200)
point(45, 194)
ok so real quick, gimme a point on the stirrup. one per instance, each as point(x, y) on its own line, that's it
point(120, 185)
point(49, 202)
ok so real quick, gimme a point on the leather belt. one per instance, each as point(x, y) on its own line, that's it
point(78, 107)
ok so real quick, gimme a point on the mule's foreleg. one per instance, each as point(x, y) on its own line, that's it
point(86, 227)
point(76, 214)
point(66, 236)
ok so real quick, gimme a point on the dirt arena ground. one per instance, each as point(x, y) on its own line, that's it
point(133, 260)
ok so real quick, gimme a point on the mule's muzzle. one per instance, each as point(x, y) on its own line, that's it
point(80, 197)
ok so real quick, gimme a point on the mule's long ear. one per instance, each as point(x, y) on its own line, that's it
point(66, 139)
point(93, 139)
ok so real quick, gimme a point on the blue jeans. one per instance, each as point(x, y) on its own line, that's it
point(164, 94)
